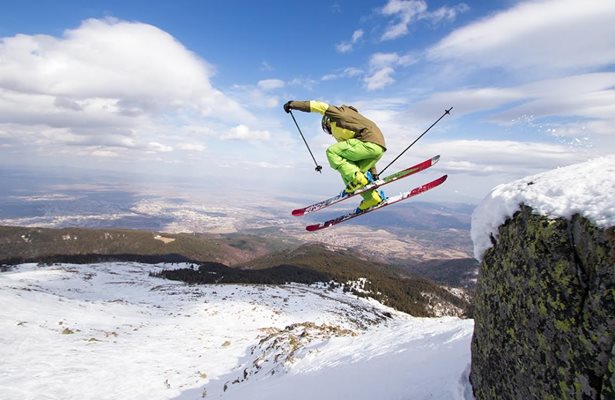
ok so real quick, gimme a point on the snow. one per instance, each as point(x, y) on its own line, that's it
point(110, 330)
point(585, 188)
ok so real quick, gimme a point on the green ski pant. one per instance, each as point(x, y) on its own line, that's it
point(352, 155)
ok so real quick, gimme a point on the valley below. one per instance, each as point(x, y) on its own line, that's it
point(254, 306)
point(111, 330)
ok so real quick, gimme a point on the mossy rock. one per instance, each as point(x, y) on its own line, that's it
point(545, 311)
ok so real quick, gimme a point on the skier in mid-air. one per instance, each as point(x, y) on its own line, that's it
point(360, 145)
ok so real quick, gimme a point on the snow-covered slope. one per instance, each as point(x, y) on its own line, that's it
point(587, 188)
point(110, 331)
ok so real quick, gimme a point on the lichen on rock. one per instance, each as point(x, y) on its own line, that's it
point(545, 311)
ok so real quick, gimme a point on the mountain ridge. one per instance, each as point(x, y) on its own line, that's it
point(253, 260)
point(25, 244)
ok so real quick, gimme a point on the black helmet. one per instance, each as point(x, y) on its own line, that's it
point(325, 123)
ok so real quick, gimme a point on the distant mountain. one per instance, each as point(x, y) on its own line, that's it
point(20, 244)
point(254, 259)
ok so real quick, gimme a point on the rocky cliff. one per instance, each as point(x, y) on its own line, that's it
point(545, 311)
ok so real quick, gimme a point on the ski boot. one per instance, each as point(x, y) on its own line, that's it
point(357, 183)
point(371, 199)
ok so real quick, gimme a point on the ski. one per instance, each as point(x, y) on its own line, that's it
point(390, 200)
point(376, 184)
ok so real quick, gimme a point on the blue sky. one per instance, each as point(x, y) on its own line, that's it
point(194, 89)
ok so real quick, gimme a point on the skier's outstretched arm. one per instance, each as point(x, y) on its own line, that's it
point(311, 106)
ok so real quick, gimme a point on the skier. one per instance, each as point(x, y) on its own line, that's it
point(360, 145)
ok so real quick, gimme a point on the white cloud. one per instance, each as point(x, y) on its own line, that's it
point(381, 67)
point(380, 60)
point(261, 95)
point(447, 13)
point(304, 83)
point(467, 101)
point(553, 51)
point(356, 35)
point(197, 147)
point(349, 72)
point(270, 84)
point(380, 78)
point(585, 102)
point(104, 153)
point(108, 59)
point(526, 148)
point(476, 166)
point(406, 12)
point(345, 47)
point(514, 158)
point(547, 35)
point(590, 96)
point(159, 147)
point(243, 132)
point(107, 83)
point(265, 165)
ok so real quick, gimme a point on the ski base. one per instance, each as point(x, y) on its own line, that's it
point(391, 200)
point(374, 185)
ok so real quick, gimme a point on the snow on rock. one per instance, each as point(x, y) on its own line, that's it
point(165, 240)
point(110, 330)
point(587, 189)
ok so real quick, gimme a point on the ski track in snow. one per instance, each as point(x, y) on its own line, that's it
point(111, 331)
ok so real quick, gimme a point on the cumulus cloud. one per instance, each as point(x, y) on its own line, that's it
point(405, 12)
point(243, 132)
point(380, 78)
point(108, 59)
point(382, 68)
point(106, 83)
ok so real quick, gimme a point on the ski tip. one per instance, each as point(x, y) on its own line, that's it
point(435, 159)
point(298, 212)
point(312, 228)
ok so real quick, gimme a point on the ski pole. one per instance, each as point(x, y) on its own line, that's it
point(446, 112)
point(318, 167)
